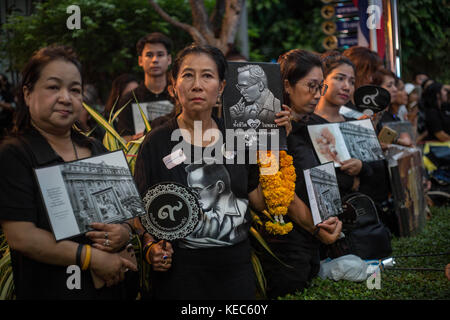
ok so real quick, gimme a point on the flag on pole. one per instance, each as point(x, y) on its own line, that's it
point(371, 21)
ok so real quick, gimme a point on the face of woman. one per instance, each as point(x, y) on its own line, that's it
point(402, 95)
point(301, 99)
point(442, 97)
point(341, 85)
point(198, 86)
point(389, 84)
point(56, 99)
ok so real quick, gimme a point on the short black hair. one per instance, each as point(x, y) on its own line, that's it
point(212, 173)
point(213, 52)
point(295, 65)
point(154, 37)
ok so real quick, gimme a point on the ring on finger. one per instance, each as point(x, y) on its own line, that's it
point(106, 244)
point(106, 235)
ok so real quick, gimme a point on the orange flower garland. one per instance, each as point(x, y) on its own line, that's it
point(277, 178)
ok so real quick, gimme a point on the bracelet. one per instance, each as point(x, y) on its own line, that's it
point(143, 233)
point(147, 249)
point(131, 227)
point(130, 232)
point(87, 258)
point(78, 255)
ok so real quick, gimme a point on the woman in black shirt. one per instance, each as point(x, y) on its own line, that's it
point(302, 77)
point(48, 106)
point(212, 262)
point(437, 118)
point(354, 174)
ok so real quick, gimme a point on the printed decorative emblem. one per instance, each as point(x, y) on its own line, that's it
point(253, 123)
point(371, 98)
point(374, 98)
point(172, 211)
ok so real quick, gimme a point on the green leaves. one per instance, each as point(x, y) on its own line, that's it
point(112, 140)
point(398, 285)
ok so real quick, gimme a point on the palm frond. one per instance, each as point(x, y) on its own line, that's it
point(110, 131)
point(144, 117)
point(259, 273)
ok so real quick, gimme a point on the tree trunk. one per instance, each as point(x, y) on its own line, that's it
point(205, 30)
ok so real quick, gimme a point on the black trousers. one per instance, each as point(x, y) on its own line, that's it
point(224, 273)
point(298, 249)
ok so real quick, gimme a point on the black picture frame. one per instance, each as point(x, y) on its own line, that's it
point(252, 97)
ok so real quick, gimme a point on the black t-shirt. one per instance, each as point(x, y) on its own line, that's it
point(156, 104)
point(225, 221)
point(20, 200)
point(305, 157)
point(437, 120)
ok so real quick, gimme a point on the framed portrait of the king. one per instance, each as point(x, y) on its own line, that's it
point(251, 99)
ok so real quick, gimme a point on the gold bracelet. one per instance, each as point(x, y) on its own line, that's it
point(87, 258)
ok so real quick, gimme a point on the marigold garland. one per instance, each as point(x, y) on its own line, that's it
point(277, 178)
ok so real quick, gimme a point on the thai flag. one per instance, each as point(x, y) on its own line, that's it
point(371, 19)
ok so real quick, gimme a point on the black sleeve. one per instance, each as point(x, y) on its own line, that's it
point(433, 120)
point(18, 190)
point(366, 169)
point(143, 167)
point(253, 177)
point(125, 123)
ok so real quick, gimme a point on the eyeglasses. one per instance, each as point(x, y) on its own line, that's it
point(243, 87)
point(197, 190)
point(314, 87)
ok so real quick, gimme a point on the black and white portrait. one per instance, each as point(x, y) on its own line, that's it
point(152, 110)
point(223, 219)
point(257, 102)
point(251, 99)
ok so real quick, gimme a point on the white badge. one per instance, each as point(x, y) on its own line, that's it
point(174, 159)
point(228, 154)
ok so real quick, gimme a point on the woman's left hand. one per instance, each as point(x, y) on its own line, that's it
point(351, 166)
point(108, 237)
point(284, 119)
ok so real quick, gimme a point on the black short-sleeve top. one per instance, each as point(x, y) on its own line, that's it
point(437, 120)
point(226, 219)
point(125, 123)
point(20, 200)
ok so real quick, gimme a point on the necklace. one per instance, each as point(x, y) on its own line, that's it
point(74, 149)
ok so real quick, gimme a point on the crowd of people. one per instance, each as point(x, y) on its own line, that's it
point(215, 261)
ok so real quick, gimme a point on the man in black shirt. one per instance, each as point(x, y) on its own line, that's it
point(154, 58)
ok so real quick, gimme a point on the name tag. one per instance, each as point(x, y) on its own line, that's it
point(174, 159)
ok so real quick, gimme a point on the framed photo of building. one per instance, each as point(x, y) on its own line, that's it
point(341, 141)
point(95, 189)
point(251, 99)
point(323, 192)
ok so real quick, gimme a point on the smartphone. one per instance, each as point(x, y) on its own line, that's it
point(387, 135)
